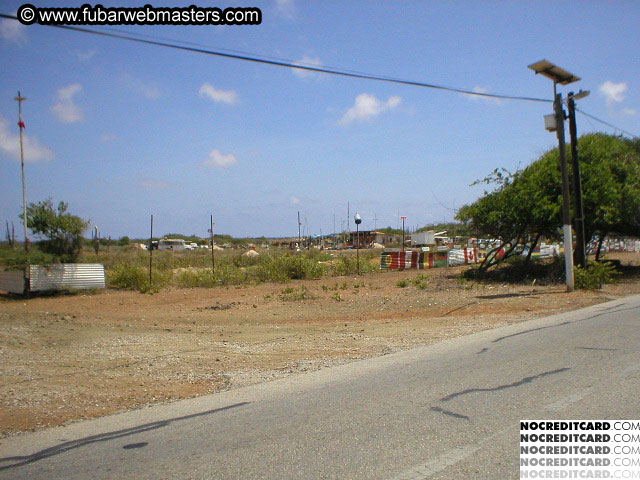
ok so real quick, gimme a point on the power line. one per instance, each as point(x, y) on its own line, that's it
point(606, 123)
point(289, 64)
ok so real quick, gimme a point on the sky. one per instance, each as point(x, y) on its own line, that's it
point(122, 130)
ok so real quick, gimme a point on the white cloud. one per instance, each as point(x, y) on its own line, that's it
point(154, 184)
point(286, 8)
point(10, 145)
point(13, 31)
point(367, 107)
point(478, 89)
point(65, 108)
point(107, 137)
point(218, 160)
point(307, 62)
point(85, 56)
point(150, 91)
point(223, 96)
point(295, 200)
point(613, 92)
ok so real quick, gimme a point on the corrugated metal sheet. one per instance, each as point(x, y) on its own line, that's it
point(66, 275)
point(12, 281)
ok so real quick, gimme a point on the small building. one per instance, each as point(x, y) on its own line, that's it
point(420, 239)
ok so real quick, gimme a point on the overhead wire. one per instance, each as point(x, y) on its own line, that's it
point(280, 62)
point(290, 64)
point(606, 123)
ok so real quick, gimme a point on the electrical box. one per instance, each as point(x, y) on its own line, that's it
point(550, 123)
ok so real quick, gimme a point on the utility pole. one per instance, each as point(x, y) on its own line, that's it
point(566, 209)
point(334, 231)
point(21, 99)
point(348, 214)
point(577, 183)
point(299, 238)
point(213, 258)
point(151, 254)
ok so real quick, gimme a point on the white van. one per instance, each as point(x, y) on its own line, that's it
point(173, 244)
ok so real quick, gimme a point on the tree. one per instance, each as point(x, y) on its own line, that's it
point(527, 205)
point(62, 231)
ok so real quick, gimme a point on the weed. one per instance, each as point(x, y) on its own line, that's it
point(404, 283)
point(421, 282)
point(292, 295)
point(337, 297)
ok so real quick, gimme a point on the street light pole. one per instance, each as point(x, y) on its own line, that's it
point(577, 183)
point(561, 76)
point(21, 99)
point(358, 221)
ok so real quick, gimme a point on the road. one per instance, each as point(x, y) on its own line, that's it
point(449, 410)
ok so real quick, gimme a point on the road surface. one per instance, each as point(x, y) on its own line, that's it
point(449, 410)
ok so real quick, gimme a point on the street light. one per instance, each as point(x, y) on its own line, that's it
point(403, 219)
point(358, 221)
point(561, 76)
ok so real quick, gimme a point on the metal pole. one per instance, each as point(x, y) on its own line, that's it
point(358, 247)
point(577, 185)
point(21, 99)
point(151, 253)
point(299, 238)
point(213, 260)
point(566, 212)
point(403, 236)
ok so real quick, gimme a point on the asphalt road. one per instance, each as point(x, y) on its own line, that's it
point(449, 410)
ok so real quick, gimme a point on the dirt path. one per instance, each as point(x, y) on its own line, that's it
point(64, 358)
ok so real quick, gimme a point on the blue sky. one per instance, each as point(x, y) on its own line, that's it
point(121, 130)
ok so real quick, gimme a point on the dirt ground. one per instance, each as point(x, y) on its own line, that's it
point(70, 357)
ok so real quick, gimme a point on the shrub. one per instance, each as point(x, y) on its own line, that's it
point(195, 279)
point(131, 277)
point(17, 258)
point(347, 264)
point(282, 268)
point(595, 275)
point(404, 283)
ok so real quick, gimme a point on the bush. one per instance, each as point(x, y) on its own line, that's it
point(282, 268)
point(17, 258)
point(196, 279)
point(595, 275)
point(131, 277)
point(348, 264)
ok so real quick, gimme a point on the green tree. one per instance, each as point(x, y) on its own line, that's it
point(527, 205)
point(61, 231)
point(124, 241)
